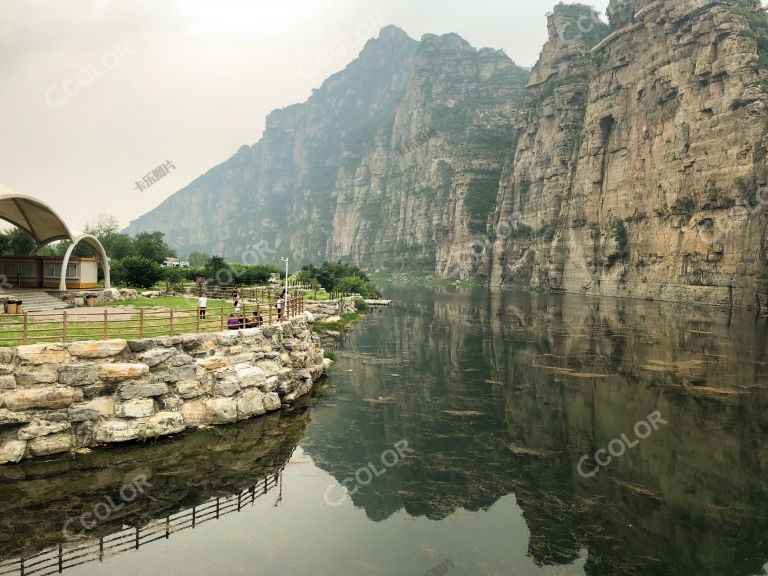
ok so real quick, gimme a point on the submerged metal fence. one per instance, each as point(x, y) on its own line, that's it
point(56, 559)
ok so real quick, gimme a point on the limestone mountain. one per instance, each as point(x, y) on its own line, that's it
point(630, 161)
point(640, 164)
point(374, 167)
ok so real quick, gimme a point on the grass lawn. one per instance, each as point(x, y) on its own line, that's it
point(346, 321)
point(174, 302)
point(321, 296)
point(124, 321)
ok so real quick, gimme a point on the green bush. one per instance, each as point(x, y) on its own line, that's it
point(137, 271)
point(16, 242)
point(619, 232)
point(339, 277)
point(254, 275)
point(218, 272)
point(174, 279)
point(355, 285)
point(152, 246)
point(192, 274)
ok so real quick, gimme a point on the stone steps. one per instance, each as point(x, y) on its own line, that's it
point(34, 301)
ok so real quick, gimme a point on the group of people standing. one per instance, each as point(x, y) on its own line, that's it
point(237, 321)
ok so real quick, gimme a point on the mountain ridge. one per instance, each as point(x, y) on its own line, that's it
point(615, 166)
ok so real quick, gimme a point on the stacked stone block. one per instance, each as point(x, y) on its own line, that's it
point(55, 398)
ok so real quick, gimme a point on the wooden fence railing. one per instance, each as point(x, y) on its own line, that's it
point(70, 326)
point(57, 559)
point(261, 295)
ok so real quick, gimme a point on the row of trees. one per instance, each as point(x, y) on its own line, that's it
point(338, 277)
point(149, 245)
point(137, 262)
point(16, 242)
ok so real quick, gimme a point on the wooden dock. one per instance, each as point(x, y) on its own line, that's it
point(378, 302)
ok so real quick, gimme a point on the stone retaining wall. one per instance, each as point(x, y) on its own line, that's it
point(55, 398)
point(323, 310)
point(103, 297)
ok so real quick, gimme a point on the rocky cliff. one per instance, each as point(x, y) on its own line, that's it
point(641, 158)
point(630, 161)
point(385, 164)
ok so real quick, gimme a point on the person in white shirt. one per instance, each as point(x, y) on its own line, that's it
point(202, 304)
point(280, 302)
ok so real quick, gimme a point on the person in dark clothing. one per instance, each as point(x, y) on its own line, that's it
point(256, 320)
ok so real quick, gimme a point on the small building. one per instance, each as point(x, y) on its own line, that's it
point(45, 226)
point(175, 263)
point(45, 272)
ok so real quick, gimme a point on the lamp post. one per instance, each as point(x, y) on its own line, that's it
point(285, 294)
point(286, 274)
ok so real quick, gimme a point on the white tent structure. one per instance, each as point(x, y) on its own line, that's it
point(42, 223)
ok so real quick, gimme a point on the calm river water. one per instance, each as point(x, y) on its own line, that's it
point(458, 434)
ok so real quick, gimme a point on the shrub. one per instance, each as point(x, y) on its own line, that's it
point(619, 232)
point(337, 276)
point(219, 272)
point(255, 275)
point(137, 271)
point(174, 279)
point(355, 284)
point(192, 274)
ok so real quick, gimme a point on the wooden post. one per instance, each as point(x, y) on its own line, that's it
point(141, 323)
point(64, 326)
point(106, 325)
point(270, 313)
point(171, 321)
point(197, 322)
point(26, 329)
point(222, 318)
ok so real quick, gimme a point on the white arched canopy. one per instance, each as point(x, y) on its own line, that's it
point(44, 225)
point(33, 216)
point(94, 243)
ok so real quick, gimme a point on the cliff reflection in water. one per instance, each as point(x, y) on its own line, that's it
point(506, 393)
point(223, 469)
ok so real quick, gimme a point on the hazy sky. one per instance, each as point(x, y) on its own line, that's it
point(98, 93)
